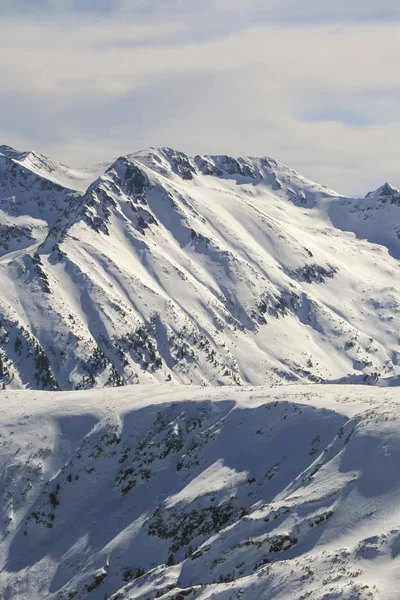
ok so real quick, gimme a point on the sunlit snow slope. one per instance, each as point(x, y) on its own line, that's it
point(189, 492)
point(205, 270)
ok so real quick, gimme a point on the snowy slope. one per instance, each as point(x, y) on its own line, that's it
point(74, 179)
point(186, 492)
point(204, 270)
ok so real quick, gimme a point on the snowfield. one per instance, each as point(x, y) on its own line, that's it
point(203, 270)
point(190, 492)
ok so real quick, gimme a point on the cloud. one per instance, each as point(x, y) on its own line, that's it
point(316, 88)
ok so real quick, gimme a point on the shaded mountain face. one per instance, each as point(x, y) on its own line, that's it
point(204, 270)
point(178, 492)
point(387, 189)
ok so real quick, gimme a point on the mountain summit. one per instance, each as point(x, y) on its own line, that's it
point(387, 189)
point(204, 270)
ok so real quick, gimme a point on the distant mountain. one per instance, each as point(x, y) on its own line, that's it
point(203, 270)
point(75, 179)
point(387, 189)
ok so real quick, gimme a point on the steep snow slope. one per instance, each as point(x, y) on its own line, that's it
point(185, 492)
point(198, 270)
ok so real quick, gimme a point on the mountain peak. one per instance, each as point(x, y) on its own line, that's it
point(23, 156)
point(53, 170)
point(250, 170)
point(8, 150)
point(387, 189)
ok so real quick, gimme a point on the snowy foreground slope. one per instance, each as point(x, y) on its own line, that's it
point(186, 492)
point(204, 270)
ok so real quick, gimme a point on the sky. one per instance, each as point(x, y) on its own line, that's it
point(312, 83)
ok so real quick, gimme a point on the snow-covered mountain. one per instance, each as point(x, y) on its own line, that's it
point(178, 492)
point(204, 270)
point(44, 167)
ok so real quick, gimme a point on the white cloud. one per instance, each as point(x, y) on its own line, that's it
point(320, 97)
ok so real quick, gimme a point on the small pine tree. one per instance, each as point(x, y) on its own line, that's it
point(17, 345)
point(171, 560)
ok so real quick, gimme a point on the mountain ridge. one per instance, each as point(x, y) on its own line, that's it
point(195, 269)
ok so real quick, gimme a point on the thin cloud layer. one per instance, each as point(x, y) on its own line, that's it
point(320, 93)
